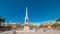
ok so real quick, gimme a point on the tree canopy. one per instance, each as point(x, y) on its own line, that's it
point(58, 19)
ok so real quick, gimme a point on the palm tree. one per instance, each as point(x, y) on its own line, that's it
point(31, 25)
point(1, 21)
point(58, 19)
point(58, 22)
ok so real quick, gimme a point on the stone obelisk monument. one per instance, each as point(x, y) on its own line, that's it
point(26, 17)
point(26, 27)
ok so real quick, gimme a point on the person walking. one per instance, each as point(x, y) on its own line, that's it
point(44, 30)
point(14, 32)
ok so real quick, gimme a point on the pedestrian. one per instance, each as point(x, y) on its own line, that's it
point(44, 30)
point(14, 32)
point(35, 29)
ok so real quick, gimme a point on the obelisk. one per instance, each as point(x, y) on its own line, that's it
point(26, 17)
point(26, 27)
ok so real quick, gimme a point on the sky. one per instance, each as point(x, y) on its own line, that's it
point(38, 10)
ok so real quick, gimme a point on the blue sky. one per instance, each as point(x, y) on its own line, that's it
point(38, 10)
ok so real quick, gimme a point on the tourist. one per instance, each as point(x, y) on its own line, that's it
point(44, 30)
point(14, 32)
point(35, 29)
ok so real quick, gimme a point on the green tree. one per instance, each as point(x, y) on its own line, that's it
point(54, 25)
point(57, 22)
point(31, 25)
point(41, 26)
point(58, 19)
point(1, 20)
point(4, 25)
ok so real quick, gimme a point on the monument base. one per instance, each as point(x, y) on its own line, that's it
point(26, 29)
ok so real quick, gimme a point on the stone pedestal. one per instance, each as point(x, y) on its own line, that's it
point(26, 28)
